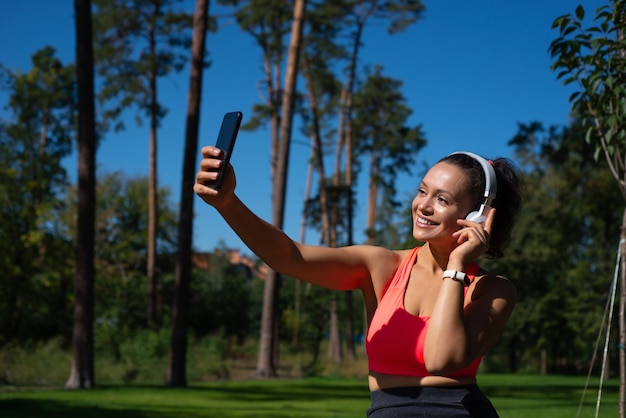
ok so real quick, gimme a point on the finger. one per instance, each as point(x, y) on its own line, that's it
point(210, 152)
point(207, 178)
point(203, 190)
point(210, 164)
point(489, 221)
point(461, 235)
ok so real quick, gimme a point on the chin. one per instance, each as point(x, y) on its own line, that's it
point(420, 235)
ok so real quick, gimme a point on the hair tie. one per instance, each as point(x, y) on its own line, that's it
point(491, 162)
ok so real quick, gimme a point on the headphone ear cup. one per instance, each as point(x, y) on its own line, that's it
point(475, 216)
point(480, 215)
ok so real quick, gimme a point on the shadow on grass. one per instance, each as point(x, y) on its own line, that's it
point(35, 408)
point(275, 399)
point(272, 399)
point(298, 390)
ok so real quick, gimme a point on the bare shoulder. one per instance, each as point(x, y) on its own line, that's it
point(383, 265)
point(494, 286)
point(378, 259)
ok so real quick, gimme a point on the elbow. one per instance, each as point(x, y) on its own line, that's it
point(440, 369)
point(442, 364)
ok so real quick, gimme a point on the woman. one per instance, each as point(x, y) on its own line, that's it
point(432, 311)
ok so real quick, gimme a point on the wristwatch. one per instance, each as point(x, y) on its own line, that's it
point(459, 276)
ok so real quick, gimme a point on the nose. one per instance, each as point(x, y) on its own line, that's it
point(422, 204)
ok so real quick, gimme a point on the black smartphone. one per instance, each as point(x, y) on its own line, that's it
point(226, 142)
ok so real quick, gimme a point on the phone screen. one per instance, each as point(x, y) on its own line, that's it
point(226, 141)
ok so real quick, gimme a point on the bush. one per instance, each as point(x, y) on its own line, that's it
point(44, 363)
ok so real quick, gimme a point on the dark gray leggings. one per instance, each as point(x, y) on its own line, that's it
point(429, 402)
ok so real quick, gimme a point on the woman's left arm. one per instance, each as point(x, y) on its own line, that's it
point(456, 336)
point(463, 327)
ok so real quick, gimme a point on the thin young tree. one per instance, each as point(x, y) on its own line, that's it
point(593, 59)
point(82, 368)
point(176, 369)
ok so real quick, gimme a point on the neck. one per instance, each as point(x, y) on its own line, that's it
point(433, 258)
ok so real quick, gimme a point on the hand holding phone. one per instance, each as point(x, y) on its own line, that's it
point(226, 142)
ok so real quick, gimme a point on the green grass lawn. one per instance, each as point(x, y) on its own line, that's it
point(514, 396)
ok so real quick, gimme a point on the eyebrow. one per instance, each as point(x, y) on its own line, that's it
point(439, 191)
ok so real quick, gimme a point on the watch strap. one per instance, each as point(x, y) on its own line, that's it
point(457, 275)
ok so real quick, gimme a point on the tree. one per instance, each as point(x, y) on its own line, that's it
point(33, 143)
point(269, 22)
point(176, 371)
point(399, 15)
point(560, 253)
point(138, 43)
point(318, 56)
point(268, 350)
point(389, 145)
point(594, 59)
point(82, 370)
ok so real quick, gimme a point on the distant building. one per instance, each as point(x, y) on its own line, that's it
point(243, 264)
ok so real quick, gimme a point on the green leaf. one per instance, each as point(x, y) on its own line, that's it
point(580, 12)
point(588, 135)
point(608, 136)
point(596, 155)
point(568, 30)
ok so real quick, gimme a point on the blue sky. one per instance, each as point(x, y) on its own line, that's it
point(471, 70)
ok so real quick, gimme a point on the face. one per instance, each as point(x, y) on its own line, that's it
point(442, 198)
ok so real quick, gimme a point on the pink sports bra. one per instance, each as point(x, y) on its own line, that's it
point(395, 338)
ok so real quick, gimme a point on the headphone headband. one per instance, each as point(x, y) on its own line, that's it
point(491, 185)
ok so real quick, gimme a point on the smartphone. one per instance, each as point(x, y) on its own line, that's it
point(226, 142)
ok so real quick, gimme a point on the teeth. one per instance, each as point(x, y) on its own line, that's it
point(424, 221)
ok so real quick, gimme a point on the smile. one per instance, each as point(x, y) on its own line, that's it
point(423, 221)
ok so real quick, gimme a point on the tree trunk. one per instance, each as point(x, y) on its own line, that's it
point(152, 184)
point(82, 368)
point(268, 348)
point(334, 344)
point(303, 225)
point(350, 343)
point(622, 320)
point(176, 367)
point(266, 366)
point(318, 154)
point(345, 140)
point(372, 199)
point(348, 296)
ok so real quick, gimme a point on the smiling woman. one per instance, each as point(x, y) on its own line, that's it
point(433, 312)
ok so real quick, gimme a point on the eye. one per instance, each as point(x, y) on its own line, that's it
point(443, 200)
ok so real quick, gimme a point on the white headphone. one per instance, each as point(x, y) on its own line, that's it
point(491, 187)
